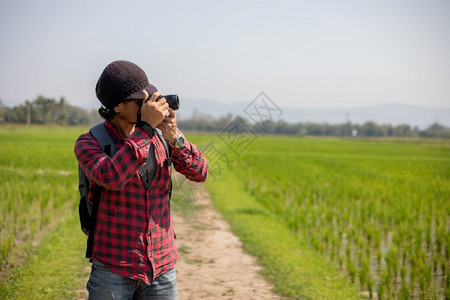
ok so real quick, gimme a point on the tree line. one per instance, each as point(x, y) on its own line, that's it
point(42, 110)
point(348, 129)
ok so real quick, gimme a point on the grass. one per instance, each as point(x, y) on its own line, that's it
point(56, 269)
point(327, 218)
point(42, 246)
point(38, 182)
point(377, 210)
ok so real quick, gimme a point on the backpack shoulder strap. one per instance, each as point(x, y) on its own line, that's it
point(103, 138)
point(106, 143)
point(166, 146)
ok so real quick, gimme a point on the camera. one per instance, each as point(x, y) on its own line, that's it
point(172, 100)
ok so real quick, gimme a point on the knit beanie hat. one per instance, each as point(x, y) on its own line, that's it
point(120, 81)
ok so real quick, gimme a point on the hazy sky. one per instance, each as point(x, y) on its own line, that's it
point(300, 53)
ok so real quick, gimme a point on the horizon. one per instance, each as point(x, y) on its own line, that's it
point(97, 104)
point(390, 114)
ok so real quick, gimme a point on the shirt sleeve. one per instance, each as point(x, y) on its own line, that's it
point(190, 162)
point(112, 172)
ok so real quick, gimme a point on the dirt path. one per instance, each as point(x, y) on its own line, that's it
point(212, 264)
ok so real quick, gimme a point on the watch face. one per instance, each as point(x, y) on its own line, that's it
point(179, 142)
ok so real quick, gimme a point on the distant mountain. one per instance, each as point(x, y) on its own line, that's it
point(391, 113)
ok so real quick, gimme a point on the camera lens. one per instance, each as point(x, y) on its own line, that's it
point(173, 101)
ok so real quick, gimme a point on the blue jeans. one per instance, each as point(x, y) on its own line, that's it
point(104, 284)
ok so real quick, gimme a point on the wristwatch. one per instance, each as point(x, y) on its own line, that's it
point(179, 142)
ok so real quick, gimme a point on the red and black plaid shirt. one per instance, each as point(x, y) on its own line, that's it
point(133, 235)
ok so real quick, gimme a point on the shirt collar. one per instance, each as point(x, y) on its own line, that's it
point(114, 132)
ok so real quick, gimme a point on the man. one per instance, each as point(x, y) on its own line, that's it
point(134, 254)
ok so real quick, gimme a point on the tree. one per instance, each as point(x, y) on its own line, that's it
point(17, 114)
point(60, 116)
point(43, 108)
point(94, 117)
point(2, 111)
point(403, 130)
point(370, 129)
point(436, 130)
point(76, 116)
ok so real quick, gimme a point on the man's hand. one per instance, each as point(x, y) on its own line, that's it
point(168, 126)
point(153, 112)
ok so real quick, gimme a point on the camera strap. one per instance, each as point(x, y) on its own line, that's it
point(166, 147)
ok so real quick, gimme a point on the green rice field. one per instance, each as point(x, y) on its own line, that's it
point(40, 241)
point(377, 210)
point(38, 181)
point(327, 218)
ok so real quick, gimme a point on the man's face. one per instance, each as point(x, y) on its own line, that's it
point(129, 110)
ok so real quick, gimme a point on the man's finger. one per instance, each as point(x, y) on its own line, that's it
point(145, 93)
point(164, 106)
point(161, 101)
point(154, 96)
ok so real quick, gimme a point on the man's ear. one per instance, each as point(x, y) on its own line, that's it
point(117, 109)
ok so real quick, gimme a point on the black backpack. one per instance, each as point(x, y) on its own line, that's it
point(88, 212)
